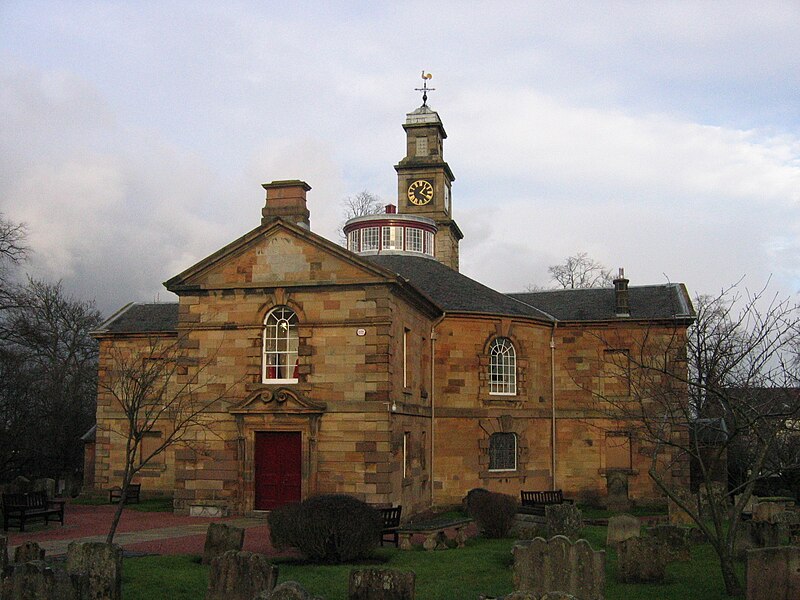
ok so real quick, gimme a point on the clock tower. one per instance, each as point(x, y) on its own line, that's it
point(424, 181)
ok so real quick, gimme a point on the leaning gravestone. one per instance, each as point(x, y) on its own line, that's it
point(381, 584)
point(102, 564)
point(641, 560)
point(773, 573)
point(36, 580)
point(27, 552)
point(542, 566)
point(675, 540)
point(621, 528)
point(219, 539)
point(240, 576)
point(563, 519)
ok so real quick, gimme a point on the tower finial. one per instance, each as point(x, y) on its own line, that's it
point(425, 89)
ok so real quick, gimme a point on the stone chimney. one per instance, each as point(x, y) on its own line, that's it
point(287, 200)
point(623, 306)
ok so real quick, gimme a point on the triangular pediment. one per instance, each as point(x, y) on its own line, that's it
point(277, 254)
point(278, 400)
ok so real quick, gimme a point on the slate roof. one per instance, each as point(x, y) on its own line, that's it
point(142, 318)
point(451, 291)
point(669, 301)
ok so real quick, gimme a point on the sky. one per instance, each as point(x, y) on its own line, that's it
point(662, 137)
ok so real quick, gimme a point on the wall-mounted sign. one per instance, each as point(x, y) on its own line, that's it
point(361, 332)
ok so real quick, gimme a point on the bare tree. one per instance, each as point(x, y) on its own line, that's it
point(580, 271)
point(158, 393)
point(12, 251)
point(48, 369)
point(362, 204)
point(730, 384)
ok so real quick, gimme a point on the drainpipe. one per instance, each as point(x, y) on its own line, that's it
point(433, 398)
point(553, 403)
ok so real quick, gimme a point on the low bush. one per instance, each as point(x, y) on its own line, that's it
point(469, 499)
point(493, 512)
point(329, 528)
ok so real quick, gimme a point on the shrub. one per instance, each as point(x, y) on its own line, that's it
point(329, 528)
point(469, 499)
point(493, 512)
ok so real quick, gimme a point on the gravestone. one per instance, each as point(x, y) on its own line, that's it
point(36, 580)
point(563, 519)
point(617, 491)
point(641, 560)
point(767, 512)
point(46, 485)
point(3, 553)
point(526, 527)
point(240, 576)
point(678, 516)
point(755, 534)
point(622, 527)
point(749, 506)
point(27, 552)
point(542, 566)
point(675, 540)
point(288, 590)
point(102, 564)
point(220, 538)
point(19, 485)
point(773, 573)
point(713, 493)
point(381, 584)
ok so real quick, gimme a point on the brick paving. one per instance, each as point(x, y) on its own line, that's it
point(147, 532)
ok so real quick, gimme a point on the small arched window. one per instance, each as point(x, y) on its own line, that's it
point(503, 452)
point(280, 346)
point(502, 367)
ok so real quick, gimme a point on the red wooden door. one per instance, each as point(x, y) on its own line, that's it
point(278, 456)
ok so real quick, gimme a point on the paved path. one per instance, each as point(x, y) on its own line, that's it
point(149, 532)
point(129, 538)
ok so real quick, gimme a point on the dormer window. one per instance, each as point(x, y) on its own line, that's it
point(280, 346)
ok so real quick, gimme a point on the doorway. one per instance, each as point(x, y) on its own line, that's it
point(278, 462)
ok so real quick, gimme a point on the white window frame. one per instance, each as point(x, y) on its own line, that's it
point(414, 240)
point(279, 344)
point(429, 244)
point(406, 448)
point(370, 239)
point(353, 241)
point(392, 238)
point(502, 368)
point(505, 436)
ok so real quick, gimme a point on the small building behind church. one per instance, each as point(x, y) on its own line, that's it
point(379, 370)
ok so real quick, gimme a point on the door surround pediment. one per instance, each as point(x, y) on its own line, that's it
point(278, 400)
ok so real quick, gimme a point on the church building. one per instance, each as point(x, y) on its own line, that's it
point(379, 370)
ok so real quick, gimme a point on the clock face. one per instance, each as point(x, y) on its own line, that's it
point(420, 192)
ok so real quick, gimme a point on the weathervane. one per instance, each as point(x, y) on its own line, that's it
point(425, 89)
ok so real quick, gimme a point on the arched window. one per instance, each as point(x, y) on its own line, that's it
point(280, 346)
point(503, 452)
point(502, 367)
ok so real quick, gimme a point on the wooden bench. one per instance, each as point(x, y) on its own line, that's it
point(391, 523)
point(29, 506)
point(115, 494)
point(534, 502)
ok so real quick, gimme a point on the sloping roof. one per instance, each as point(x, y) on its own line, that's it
point(142, 318)
point(451, 291)
point(669, 301)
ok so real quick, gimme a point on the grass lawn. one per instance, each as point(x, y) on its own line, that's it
point(483, 567)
